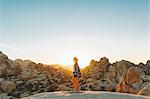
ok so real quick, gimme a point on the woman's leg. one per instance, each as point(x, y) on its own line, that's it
point(75, 83)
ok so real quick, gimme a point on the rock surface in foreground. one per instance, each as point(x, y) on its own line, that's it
point(85, 95)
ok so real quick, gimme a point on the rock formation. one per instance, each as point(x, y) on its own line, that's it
point(134, 81)
point(131, 81)
point(122, 76)
point(22, 78)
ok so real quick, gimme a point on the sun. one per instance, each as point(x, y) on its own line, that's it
point(67, 58)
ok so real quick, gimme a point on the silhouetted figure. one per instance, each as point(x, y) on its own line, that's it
point(76, 74)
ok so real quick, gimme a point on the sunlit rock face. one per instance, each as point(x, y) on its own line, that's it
point(134, 81)
point(131, 81)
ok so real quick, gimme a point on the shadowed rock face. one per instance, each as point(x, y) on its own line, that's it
point(146, 68)
point(22, 78)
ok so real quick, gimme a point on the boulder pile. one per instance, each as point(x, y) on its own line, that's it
point(122, 76)
point(21, 78)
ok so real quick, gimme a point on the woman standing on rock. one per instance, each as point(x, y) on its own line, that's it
point(76, 74)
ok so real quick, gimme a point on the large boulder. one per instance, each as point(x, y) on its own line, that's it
point(131, 81)
point(8, 67)
point(8, 86)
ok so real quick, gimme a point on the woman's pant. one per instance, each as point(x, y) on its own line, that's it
point(75, 83)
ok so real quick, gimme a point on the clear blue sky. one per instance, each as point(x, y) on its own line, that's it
point(53, 31)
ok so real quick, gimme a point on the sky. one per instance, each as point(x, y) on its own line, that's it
point(54, 31)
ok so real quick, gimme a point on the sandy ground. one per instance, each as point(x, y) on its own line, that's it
point(85, 95)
